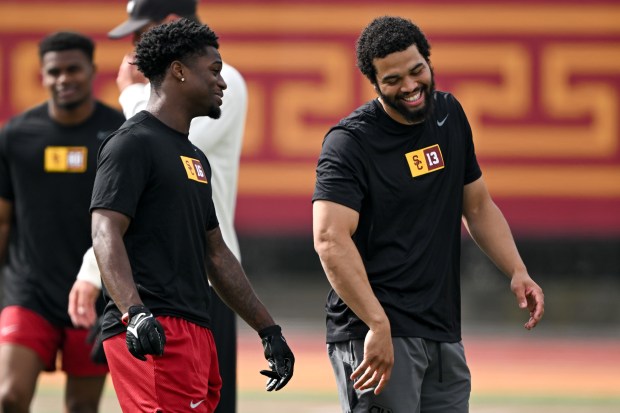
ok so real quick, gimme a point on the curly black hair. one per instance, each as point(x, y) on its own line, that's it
point(180, 40)
point(60, 41)
point(386, 35)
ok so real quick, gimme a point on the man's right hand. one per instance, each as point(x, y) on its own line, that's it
point(82, 299)
point(145, 335)
point(376, 367)
point(279, 357)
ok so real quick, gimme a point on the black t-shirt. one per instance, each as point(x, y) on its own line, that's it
point(407, 183)
point(159, 179)
point(47, 171)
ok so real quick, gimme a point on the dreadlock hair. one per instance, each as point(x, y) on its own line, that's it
point(61, 41)
point(180, 40)
point(386, 35)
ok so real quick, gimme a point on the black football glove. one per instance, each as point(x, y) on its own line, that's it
point(145, 335)
point(94, 337)
point(279, 356)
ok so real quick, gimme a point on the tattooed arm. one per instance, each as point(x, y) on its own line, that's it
point(231, 284)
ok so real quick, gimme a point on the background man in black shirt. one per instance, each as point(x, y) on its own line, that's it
point(48, 157)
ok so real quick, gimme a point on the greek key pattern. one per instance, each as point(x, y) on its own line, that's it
point(540, 83)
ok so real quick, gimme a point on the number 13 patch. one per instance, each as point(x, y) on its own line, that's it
point(425, 160)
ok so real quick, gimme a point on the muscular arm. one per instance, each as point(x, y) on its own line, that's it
point(108, 229)
point(6, 215)
point(489, 229)
point(334, 224)
point(231, 284)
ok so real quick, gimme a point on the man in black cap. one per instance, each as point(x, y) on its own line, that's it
point(221, 140)
point(144, 14)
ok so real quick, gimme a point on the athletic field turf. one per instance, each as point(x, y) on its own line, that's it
point(510, 374)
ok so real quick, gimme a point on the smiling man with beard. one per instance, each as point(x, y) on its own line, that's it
point(394, 180)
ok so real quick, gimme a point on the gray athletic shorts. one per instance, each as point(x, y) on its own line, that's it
point(427, 376)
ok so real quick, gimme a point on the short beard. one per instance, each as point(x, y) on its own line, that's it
point(416, 116)
point(215, 112)
point(71, 105)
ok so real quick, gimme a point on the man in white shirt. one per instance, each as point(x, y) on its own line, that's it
point(220, 140)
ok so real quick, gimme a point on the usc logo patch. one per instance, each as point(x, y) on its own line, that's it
point(65, 159)
point(194, 169)
point(425, 160)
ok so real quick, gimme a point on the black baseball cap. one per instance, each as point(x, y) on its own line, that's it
point(143, 12)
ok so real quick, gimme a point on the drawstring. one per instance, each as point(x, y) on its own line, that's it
point(440, 366)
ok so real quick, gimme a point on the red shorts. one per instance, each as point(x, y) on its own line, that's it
point(185, 378)
point(19, 325)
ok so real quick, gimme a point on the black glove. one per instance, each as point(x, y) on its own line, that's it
point(94, 337)
point(145, 335)
point(279, 356)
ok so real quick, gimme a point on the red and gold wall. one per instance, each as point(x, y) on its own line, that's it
point(540, 81)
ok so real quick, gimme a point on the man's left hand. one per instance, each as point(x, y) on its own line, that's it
point(279, 356)
point(529, 296)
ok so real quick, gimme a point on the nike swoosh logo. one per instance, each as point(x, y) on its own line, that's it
point(194, 405)
point(441, 122)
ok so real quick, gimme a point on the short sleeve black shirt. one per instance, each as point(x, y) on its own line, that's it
point(407, 184)
point(159, 179)
point(47, 171)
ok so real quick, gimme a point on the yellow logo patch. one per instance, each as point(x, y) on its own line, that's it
point(194, 169)
point(425, 160)
point(67, 159)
